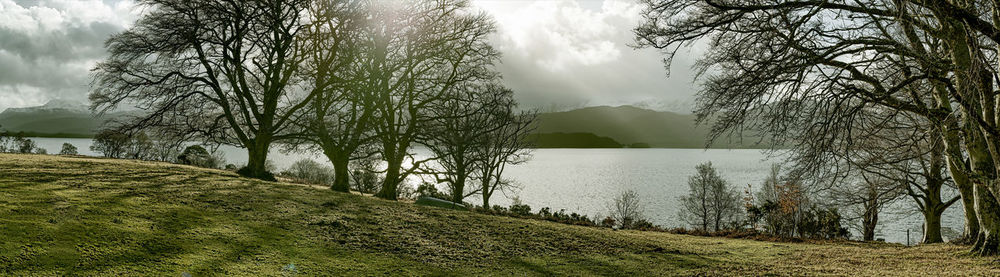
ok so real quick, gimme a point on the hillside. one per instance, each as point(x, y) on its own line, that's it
point(83, 216)
point(56, 118)
point(572, 140)
point(628, 125)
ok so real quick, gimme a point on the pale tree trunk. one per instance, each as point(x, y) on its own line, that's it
point(869, 222)
point(958, 171)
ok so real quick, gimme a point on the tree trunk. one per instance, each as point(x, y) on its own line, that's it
point(341, 180)
point(458, 188)
point(390, 185)
point(868, 224)
point(932, 226)
point(968, 195)
point(257, 161)
point(989, 224)
point(486, 192)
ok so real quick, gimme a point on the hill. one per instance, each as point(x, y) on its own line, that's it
point(572, 140)
point(629, 125)
point(57, 118)
point(85, 216)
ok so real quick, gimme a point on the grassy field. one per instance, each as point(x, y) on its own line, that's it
point(80, 216)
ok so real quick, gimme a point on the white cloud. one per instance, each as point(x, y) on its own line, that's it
point(567, 33)
point(47, 47)
point(572, 53)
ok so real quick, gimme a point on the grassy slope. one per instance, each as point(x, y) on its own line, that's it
point(61, 216)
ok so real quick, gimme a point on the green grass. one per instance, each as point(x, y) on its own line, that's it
point(79, 216)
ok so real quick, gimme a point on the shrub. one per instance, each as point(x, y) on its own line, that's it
point(310, 171)
point(609, 222)
point(426, 189)
point(68, 149)
point(196, 155)
point(520, 209)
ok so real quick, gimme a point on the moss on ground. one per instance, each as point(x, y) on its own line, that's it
point(83, 216)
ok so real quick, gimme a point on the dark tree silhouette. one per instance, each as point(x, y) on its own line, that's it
point(214, 69)
point(422, 52)
point(780, 67)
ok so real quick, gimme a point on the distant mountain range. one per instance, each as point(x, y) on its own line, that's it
point(591, 127)
point(57, 118)
point(629, 125)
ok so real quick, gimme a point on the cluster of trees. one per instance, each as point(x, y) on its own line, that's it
point(778, 208)
point(18, 143)
point(837, 81)
point(711, 204)
point(117, 144)
point(363, 82)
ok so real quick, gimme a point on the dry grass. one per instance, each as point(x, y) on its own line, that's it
point(82, 216)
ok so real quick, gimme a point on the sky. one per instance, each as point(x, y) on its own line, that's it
point(557, 54)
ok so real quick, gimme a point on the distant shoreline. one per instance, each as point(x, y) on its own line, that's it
point(51, 135)
point(85, 136)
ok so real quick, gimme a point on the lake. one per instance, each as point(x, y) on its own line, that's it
point(585, 180)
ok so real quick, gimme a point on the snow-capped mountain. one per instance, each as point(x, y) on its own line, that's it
point(54, 105)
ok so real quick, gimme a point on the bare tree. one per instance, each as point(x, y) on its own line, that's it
point(868, 196)
point(780, 67)
point(339, 62)
point(468, 130)
point(626, 209)
point(710, 202)
point(505, 144)
point(423, 52)
point(210, 69)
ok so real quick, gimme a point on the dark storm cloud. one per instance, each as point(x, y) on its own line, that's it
point(556, 53)
point(48, 47)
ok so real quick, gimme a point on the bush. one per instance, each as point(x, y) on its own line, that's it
point(426, 189)
point(196, 155)
point(609, 222)
point(310, 171)
point(823, 223)
point(68, 149)
point(520, 209)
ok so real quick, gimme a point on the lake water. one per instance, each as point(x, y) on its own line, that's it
point(585, 180)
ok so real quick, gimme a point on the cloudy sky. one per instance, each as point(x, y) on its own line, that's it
point(558, 54)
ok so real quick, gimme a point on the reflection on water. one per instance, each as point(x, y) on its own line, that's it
point(584, 180)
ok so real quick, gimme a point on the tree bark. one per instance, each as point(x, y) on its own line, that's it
point(341, 182)
point(486, 192)
point(390, 185)
point(458, 188)
point(989, 224)
point(932, 226)
point(257, 161)
point(868, 223)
